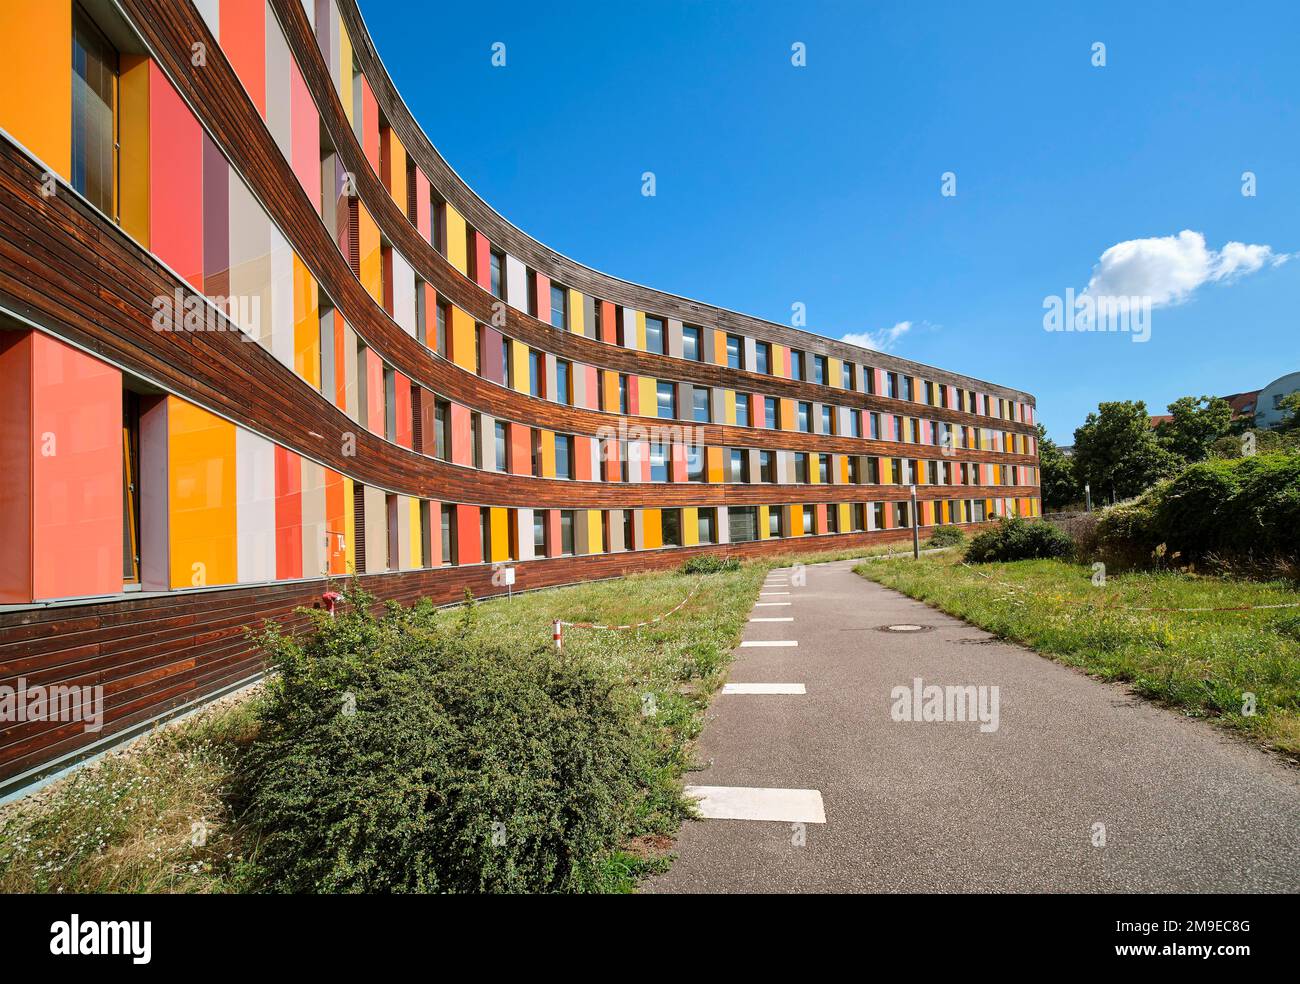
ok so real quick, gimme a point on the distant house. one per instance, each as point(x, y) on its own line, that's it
point(1268, 410)
point(1261, 407)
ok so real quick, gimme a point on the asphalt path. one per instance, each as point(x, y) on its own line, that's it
point(1081, 788)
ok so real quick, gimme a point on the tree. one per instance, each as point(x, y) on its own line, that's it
point(1290, 407)
point(1197, 422)
point(1059, 486)
point(1117, 452)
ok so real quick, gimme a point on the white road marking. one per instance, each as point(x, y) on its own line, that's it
point(758, 803)
point(787, 618)
point(771, 594)
point(772, 604)
point(763, 688)
point(768, 643)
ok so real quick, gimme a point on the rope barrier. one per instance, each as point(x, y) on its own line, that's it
point(1137, 608)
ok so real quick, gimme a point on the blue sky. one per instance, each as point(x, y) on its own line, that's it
point(821, 184)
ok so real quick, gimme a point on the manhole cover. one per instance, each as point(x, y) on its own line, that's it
point(905, 627)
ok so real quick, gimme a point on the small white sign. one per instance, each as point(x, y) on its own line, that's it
point(508, 576)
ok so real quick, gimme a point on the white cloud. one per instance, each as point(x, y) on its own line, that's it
point(882, 340)
point(1168, 269)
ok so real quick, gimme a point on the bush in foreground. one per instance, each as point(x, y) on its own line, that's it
point(946, 536)
point(398, 756)
point(1015, 539)
point(710, 564)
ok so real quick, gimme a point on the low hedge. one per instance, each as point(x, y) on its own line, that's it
point(1249, 506)
point(398, 756)
point(946, 536)
point(710, 564)
point(1016, 539)
point(1240, 513)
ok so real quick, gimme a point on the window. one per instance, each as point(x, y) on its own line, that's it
point(667, 397)
point(891, 385)
point(658, 462)
point(846, 375)
point(421, 313)
point(444, 316)
point(694, 463)
point(561, 381)
point(94, 114)
point(131, 497)
point(476, 438)
point(654, 335)
point(766, 468)
point(735, 352)
point(801, 467)
point(700, 405)
point(854, 468)
point(629, 529)
point(869, 375)
point(708, 525)
point(497, 262)
point(691, 343)
point(875, 427)
point(442, 429)
point(774, 521)
point(566, 531)
point(805, 416)
point(902, 514)
point(507, 376)
point(622, 393)
point(819, 369)
point(502, 445)
point(391, 546)
point(742, 409)
point(808, 514)
point(563, 456)
point(535, 373)
point(742, 524)
point(539, 532)
point(873, 471)
point(672, 527)
point(559, 307)
point(859, 514)
point(832, 519)
point(855, 423)
point(736, 458)
point(485, 533)
point(796, 364)
point(823, 468)
point(439, 230)
point(828, 419)
point(909, 388)
point(769, 412)
point(763, 358)
point(447, 525)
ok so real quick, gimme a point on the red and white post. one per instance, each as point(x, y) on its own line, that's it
point(557, 633)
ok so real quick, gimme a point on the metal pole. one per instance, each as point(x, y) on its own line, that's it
point(916, 529)
point(1087, 492)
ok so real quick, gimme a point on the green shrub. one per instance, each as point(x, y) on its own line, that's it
point(399, 756)
point(1015, 539)
point(1126, 536)
point(946, 536)
point(1227, 508)
point(710, 563)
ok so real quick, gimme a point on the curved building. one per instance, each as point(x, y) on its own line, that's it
point(255, 332)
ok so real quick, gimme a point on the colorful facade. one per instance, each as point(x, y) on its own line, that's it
point(255, 332)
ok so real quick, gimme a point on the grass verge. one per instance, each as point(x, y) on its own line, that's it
point(1204, 664)
point(127, 823)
